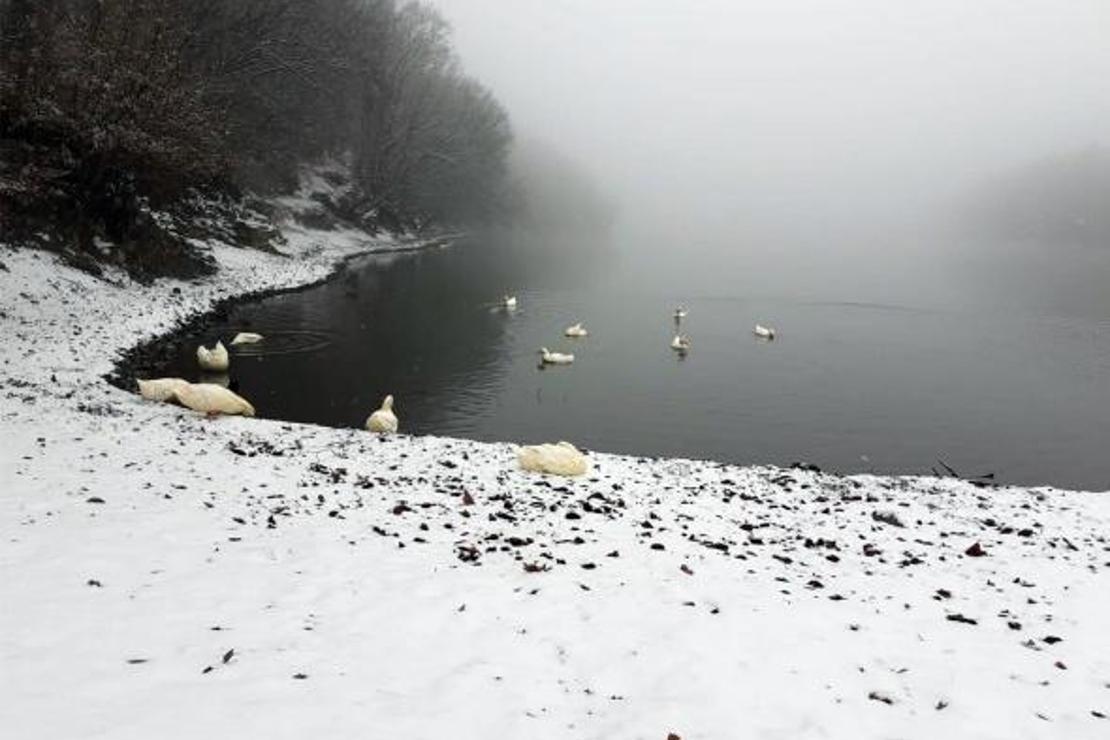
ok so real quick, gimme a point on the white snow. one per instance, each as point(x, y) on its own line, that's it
point(135, 531)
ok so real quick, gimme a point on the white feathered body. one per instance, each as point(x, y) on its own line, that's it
point(215, 359)
point(556, 358)
point(160, 389)
point(576, 331)
point(246, 337)
point(681, 342)
point(763, 332)
point(383, 421)
point(557, 459)
point(209, 398)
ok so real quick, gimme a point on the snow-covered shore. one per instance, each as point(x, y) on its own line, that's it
point(167, 575)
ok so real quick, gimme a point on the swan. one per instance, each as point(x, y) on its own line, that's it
point(383, 421)
point(214, 359)
point(763, 332)
point(576, 331)
point(246, 337)
point(680, 313)
point(213, 400)
point(559, 459)
point(681, 342)
point(555, 358)
point(509, 301)
point(160, 389)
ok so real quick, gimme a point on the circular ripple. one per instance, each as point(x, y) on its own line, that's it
point(285, 343)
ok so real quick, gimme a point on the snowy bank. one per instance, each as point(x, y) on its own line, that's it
point(167, 575)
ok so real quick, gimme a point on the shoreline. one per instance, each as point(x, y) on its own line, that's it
point(358, 590)
point(122, 374)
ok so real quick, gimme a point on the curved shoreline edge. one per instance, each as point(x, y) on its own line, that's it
point(358, 589)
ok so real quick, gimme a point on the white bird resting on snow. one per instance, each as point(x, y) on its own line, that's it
point(681, 342)
point(576, 331)
point(558, 459)
point(213, 400)
point(383, 421)
point(160, 389)
point(555, 358)
point(763, 332)
point(246, 337)
point(214, 359)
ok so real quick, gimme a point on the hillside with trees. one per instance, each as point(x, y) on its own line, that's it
point(110, 109)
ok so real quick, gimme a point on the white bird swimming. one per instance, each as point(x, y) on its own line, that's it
point(509, 301)
point(160, 389)
point(555, 358)
point(246, 337)
point(576, 331)
point(214, 359)
point(558, 459)
point(763, 332)
point(213, 400)
point(383, 421)
point(681, 342)
point(680, 313)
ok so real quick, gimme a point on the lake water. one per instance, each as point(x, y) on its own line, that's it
point(871, 384)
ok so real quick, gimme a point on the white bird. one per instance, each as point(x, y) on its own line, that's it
point(555, 358)
point(509, 301)
point(681, 342)
point(576, 331)
point(680, 313)
point(246, 337)
point(213, 400)
point(383, 421)
point(160, 389)
point(214, 359)
point(558, 459)
point(763, 332)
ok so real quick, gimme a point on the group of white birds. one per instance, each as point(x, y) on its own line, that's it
point(680, 343)
point(214, 399)
point(547, 357)
point(209, 398)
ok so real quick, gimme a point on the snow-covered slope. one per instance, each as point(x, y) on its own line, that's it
point(167, 575)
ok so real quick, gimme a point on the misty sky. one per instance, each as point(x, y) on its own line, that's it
point(699, 116)
point(656, 91)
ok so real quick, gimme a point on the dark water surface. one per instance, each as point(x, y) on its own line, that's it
point(853, 386)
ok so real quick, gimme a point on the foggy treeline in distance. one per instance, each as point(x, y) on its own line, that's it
point(102, 101)
point(1063, 199)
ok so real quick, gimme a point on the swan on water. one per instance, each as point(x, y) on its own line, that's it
point(213, 400)
point(509, 301)
point(160, 389)
point(555, 358)
point(383, 421)
point(214, 359)
point(763, 332)
point(246, 337)
point(576, 331)
point(558, 459)
point(681, 342)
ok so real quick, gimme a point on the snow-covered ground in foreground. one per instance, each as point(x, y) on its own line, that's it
point(167, 575)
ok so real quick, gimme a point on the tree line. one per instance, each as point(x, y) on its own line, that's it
point(162, 96)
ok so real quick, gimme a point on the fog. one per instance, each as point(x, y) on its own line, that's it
point(799, 135)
